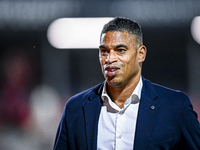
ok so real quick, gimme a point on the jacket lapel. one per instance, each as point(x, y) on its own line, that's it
point(91, 110)
point(148, 110)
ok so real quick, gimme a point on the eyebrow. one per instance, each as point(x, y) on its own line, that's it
point(102, 46)
point(120, 45)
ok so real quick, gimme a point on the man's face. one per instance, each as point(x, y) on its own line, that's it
point(120, 58)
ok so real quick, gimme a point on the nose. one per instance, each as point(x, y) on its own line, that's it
point(112, 57)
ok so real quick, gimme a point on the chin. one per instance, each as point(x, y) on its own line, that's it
point(114, 82)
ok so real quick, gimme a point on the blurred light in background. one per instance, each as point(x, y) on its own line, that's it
point(195, 29)
point(76, 32)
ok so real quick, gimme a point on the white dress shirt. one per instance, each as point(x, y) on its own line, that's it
point(116, 127)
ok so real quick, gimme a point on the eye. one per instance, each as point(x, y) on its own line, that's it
point(103, 52)
point(121, 50)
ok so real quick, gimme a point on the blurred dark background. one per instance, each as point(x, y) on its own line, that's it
point(33, 73)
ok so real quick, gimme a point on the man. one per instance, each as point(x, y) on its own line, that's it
point(127, 111)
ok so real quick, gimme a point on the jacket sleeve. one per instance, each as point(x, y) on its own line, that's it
point(61, 136)
point(190, 138)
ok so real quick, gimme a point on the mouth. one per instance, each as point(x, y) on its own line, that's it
point(111, 70)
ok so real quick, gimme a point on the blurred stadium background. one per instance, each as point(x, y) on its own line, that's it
point(37, 79)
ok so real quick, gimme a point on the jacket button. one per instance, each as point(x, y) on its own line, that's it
point(152, 107)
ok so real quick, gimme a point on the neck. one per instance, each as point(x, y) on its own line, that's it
point(120, 94)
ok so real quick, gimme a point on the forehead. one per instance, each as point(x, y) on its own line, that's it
point(117, 37)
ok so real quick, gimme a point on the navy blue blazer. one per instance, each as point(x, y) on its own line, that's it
point(166, 121)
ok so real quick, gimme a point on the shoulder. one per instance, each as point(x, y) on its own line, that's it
point(165, 94)
point(83, 96)
point(165, 91)
point(176, 102)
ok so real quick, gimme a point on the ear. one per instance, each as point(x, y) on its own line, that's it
point(142, 51)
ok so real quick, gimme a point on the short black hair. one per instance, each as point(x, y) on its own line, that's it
point(124, 25)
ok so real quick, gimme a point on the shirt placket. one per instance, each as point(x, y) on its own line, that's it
point(118, 131)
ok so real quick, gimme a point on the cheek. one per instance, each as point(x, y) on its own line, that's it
point(126, 61)
point(102, 61)
point(129, 64)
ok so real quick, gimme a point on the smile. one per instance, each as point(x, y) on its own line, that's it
point(111, 70)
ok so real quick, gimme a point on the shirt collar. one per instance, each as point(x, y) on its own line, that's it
point(134, 98)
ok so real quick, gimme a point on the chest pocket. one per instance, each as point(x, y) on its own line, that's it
point(161, 138)
point(163, 141)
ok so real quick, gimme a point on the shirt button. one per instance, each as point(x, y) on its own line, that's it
point(120, 136)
